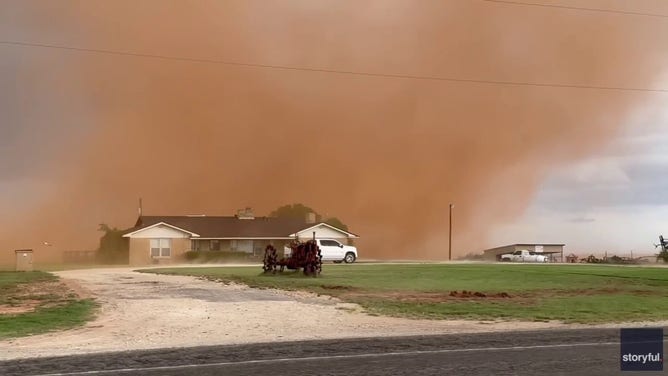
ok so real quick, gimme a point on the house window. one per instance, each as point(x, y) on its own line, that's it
point(214, 245)
point(330, 243)
point(161, 247)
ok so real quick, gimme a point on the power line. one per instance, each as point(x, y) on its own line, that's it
point(630, 13)
point(332, 71)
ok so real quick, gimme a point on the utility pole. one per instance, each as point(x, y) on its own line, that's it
point(450, 235)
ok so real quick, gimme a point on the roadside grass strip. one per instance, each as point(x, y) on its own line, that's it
point(36, 302)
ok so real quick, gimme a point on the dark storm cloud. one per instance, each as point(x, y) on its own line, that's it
point(644, 181)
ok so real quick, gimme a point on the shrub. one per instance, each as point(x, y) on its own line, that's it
point(218, 256)
point(662, 256)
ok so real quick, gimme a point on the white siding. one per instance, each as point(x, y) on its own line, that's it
point(161, 231)
point(321, 232)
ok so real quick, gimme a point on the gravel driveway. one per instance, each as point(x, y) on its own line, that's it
point(148, 311)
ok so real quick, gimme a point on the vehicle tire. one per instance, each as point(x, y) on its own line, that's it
point(350, 258)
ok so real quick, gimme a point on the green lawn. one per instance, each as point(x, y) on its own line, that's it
point(10, 280)
point(52, 306)
point(570, 293)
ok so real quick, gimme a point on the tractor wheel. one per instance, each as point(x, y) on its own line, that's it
point(350, 258)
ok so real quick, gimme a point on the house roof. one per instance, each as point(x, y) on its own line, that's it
point(228, 227)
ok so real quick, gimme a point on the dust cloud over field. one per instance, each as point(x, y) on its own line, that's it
point(85, 134)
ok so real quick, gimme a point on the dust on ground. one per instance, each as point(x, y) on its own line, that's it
point(149, 311)
point(27, 297)
point(350, 293)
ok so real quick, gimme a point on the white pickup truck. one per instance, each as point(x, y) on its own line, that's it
point(524, 256)
point(332, 250)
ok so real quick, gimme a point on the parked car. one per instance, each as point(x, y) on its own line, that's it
point(524, 256)
point(332, 250)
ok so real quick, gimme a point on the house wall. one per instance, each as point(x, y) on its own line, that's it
point(160, 232)
point(203, 245)
point(256, 246)
point(140, 251)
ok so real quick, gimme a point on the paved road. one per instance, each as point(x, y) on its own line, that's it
point(562, 352)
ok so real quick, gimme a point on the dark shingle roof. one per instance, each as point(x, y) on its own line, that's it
point(227, 227)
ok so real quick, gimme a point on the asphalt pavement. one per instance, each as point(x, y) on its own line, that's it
point(553, 352)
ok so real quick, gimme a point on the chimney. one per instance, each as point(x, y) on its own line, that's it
point(245, 213)
point(310, 218)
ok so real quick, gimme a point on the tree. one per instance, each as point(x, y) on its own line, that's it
point(336, 223)
point(663, 255)
point(114, 248)
point(300, 211)
point(294, 211)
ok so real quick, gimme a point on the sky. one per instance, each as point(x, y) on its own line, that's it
point(84, 134)
point(612, 201)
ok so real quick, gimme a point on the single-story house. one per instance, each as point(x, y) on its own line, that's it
point(165, 239)
point(555, 251)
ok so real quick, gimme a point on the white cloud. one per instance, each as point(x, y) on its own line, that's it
point(611, 230)
point(616, 200)
point(604, 170)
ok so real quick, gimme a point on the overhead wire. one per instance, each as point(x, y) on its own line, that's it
point(569, 7)
point(332, 71)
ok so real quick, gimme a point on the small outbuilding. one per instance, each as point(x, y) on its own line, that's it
point(24, 260)
point(555, 251)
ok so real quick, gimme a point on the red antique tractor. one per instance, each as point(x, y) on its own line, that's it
point(303, 256)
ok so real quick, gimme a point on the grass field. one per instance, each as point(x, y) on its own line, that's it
point(34, 302)
point(569, 293)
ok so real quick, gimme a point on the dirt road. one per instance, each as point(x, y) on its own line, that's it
point(149, 311)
